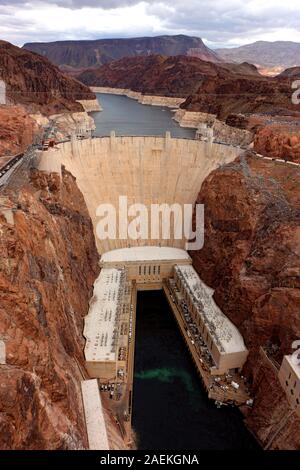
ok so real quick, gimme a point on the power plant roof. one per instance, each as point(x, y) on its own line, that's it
point(100, 327)
point(225, 332)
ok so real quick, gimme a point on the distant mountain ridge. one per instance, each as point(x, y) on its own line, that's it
point(94, 53)
point(264, 53)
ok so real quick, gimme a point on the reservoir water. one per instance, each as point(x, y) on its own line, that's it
point(128, 117)
point(170, 406)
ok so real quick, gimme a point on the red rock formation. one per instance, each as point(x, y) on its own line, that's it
point(251, 259)
point(279, 142)
point(152, 75)
point(33, 81)
point(221, 89)
point(48, 265)
point(17, 130)
point(223, 95)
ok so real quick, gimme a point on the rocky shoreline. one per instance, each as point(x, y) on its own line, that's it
point(166, 101)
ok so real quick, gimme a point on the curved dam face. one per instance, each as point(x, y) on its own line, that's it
point(147, 170)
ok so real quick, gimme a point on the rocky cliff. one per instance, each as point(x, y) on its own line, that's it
point(17, 130)
point(225, 94)
point(279, 141)
point(31, 80)
point(48, 265)
point(293, 72)
point(220, 89)
point(84, 54)
point(251, 259)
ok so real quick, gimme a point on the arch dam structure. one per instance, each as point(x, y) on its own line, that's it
point(147, 170)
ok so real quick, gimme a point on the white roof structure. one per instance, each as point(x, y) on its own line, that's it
point(294, 362)
point(100, 327)
point(144, 253)
point(227, 335)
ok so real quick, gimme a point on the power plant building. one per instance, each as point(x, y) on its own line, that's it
point(108, 325)
point(101, 328)
point(222, 338)
point(289, 377)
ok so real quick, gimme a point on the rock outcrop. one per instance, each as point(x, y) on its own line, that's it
point(17, 130)
point(49, 263)
point(33, 81)
point(235, 94)
point(293, 72)
point(281, 142)
point(251, 259)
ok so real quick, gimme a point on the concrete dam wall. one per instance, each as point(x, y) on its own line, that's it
point(148, 170)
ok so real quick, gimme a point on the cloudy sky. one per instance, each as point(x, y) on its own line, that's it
point(219, 22)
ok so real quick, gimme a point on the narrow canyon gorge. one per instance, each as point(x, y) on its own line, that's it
point(51, 251)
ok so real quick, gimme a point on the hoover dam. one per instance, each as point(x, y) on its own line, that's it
point(152, 339)
point(150, 269)
point(147, 170)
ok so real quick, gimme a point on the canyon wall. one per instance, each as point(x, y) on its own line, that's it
point(148, 170)
point(49, 263)
point(37, 84)
point(279, 141)
point(251, 259)
point(17, 130)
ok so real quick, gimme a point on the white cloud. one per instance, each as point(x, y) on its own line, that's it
point(221, 22)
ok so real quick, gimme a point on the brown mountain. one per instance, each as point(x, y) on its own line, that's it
point(293, 72)
point(219, 89)
point(264, 53)
point(160, 75)
point(17, 130)
point(156, 74)
point(33, 81)
point(223, 95)
point(85, 54)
